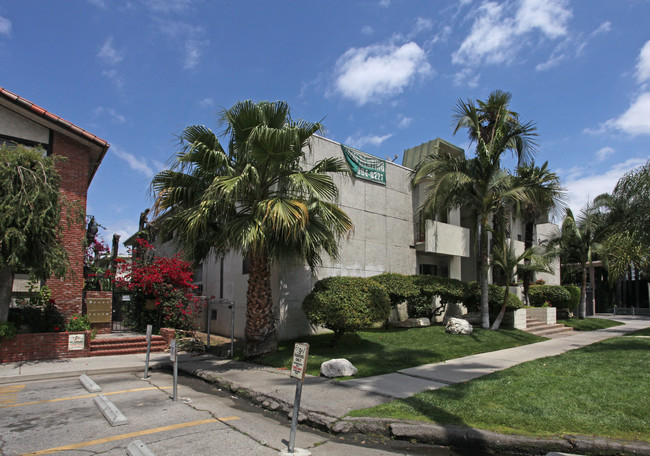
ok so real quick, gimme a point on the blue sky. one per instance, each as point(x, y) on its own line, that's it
point(382, 75)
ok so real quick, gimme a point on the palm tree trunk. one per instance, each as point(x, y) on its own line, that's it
point(6, 284)
point(483, 275)
point(502, 312)
point(260, 324)
point(528, 243)
point(582, 310)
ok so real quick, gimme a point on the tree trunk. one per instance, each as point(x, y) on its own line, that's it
point(260, 324)
point(483, 275)
point(619, 291)
point(582, 310)
point(528, 243)
point(637, 296)
point(502, 312)
point(6, 284)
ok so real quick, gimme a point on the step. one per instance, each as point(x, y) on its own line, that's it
point(141, 346)
point(125, 351)
point(540, 328)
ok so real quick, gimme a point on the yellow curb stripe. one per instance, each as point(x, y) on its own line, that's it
point(130, 435)
point(84, 396)
point(11, 388)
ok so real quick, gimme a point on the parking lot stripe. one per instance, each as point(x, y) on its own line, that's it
point(84, 396)
point(130, 435)
point(9, 394)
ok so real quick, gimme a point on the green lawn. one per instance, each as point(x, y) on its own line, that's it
point(601, 389)
point(589, 324)
point(381, 351)
point(640, 332)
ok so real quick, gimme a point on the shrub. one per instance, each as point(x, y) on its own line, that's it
point(555, 295)
point(78, 323)
point(38, 319)
point(7, 330)
point(399, 287)
point(346, 304)
point(574, 291)
point(429, 287)
point(495, 298)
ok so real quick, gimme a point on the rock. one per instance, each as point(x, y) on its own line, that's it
point(340, 367)
point(412, 323)
point(458, 326)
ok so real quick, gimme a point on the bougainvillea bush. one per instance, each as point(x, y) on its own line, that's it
point(160, 290)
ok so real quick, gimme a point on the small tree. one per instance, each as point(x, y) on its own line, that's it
point(30, 218)
point(346, 304)
point(164, 282)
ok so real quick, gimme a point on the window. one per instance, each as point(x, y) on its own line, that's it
point(428, 269)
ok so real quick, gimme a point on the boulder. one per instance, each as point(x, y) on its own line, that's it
point(340, 367)
point(458, 326)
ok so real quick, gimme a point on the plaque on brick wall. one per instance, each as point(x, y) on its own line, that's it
point(99, 309)
point(76, 341)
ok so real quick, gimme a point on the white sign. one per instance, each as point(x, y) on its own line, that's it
point(76, 341)
point(299, 363)
point(172, 350)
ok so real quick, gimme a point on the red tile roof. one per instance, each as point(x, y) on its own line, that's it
point(19, 101)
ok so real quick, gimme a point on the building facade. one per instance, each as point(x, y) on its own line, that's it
point(23, 122)
point(388, 236)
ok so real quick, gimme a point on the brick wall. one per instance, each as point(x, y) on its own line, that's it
point(74, 186)
point(32, 347)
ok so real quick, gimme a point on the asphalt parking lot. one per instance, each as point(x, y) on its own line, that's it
point(61, 417)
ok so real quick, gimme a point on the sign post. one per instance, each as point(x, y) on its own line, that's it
point(298, 367)
point(174, 358)
point(146, 361)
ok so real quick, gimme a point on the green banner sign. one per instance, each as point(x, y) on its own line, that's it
point(365, 166)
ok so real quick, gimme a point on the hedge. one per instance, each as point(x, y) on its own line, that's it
point(495, 298)
point(555, 295)
point(399, 287)
point(574, 291)
point(346, 304)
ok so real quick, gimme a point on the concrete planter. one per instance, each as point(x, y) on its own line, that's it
point(547, 315)
point(515, 319)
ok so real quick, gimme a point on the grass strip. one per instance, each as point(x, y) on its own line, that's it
point(381, 351)
point(589, 324)
point(600, 390)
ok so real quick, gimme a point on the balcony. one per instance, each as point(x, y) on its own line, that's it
point(446, 239)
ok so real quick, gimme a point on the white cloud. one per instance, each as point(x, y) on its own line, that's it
point(422, 25)
point(191, 38)
point(572, 46)
point(497, 36)
point(135, 163)
point(643, 65)
point(384, 3)
point(167, 6)
point(360, 141)
point(467, 77)
point(375, 72)
point(108, 54)
point(583, 188)
point(5, 26)
point(98, 3)
point(603, 153)
point(115, 116)
point(550, 17)
point(206, 103)
point(367, 30)
point(403, 121)
point(636, 120)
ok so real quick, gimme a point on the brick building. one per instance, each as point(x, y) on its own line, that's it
point(23, 122)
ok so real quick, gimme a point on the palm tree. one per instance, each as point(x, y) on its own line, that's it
point(479, 183)
point(254, 199)
point(505, 258)
point(578, 243)
point(546, 193)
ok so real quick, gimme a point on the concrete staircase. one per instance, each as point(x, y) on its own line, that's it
point(107, 346)
point(551, 331)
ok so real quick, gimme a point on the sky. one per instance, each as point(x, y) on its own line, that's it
point(381, 75)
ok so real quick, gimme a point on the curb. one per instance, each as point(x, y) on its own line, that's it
point(431, 434)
